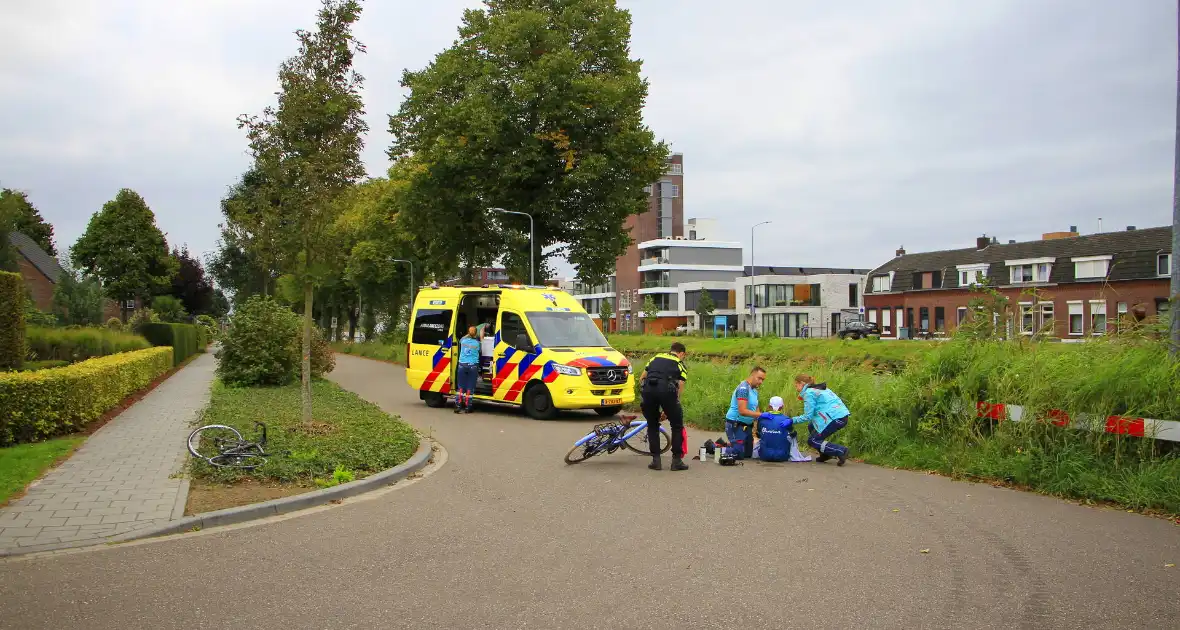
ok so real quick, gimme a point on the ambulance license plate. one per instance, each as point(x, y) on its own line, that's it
point(611, 402)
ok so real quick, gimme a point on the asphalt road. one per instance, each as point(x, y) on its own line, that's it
point(506, 535)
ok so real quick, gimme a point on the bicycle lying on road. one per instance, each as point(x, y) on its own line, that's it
point(611, 436)
point(223, 446)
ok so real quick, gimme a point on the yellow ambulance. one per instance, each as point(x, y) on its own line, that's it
point(540, 350)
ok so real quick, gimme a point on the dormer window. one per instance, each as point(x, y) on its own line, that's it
point(880, 284)
point(1091, 267)
point(1029, 270)
point(971, 275)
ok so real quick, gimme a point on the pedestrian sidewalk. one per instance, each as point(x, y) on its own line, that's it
point(121, 479)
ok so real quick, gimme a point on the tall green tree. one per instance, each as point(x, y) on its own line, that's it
point(705, 308)
point(8, 254)
point(309, 149)
point(26, 219)
point(253, 213)
point(123, 247)
point(536, 108)
point(651, 311)
point(606, 313)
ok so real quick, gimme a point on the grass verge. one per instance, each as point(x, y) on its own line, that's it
point(395, 353)
point(350, 438)
point(874, 354)
point(20, 465)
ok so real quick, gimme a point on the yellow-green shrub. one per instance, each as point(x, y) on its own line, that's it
point(39, 405)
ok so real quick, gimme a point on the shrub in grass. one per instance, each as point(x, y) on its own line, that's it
point(141, 318)
point(113, 324)
point(263, 346)
point(12, 320)
point(46, 403)
point(78, 344)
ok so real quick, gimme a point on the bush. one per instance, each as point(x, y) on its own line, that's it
point(37, 317)
point(210, 325)
point(33, 366)
point(79, 344)
point(140, 318)
point(46, 403)
point(263, 346)
point(114, 324)
point(169, 309)
point(185, 339)
point(12, 320)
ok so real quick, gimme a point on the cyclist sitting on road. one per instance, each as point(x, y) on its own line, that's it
point(743, 411)
point(825, 414)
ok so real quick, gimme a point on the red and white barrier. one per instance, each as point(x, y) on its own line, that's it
point(1136, 427)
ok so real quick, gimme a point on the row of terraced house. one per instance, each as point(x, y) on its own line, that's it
point(1065, 285)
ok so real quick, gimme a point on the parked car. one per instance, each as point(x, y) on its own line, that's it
point(857, 329)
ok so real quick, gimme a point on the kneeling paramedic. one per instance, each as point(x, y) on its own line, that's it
point(825, 413)
point(743, 411)
point(661, 384)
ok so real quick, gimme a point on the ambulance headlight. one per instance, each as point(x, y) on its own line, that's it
point(567, 370)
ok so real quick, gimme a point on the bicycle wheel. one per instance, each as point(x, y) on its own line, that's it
point(641, 445)
point(210, 440)
point(582, 452)
point(245, 461)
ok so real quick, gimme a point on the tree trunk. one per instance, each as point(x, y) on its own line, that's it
point(338, 330)
point(352, 317)
point(369, 321)
point(306, 384)
point(467, 276)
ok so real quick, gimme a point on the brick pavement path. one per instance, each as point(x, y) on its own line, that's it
point(121, 479)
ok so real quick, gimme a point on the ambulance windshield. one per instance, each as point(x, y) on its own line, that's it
point(566, 330)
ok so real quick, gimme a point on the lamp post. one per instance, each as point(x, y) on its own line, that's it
point(532, 279)
point(753, 270)
point(402, 260)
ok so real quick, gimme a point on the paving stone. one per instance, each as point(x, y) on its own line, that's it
point(85, 520)
point(46, 521)
point(20, 532)
point(68, 513)
point(116, 518)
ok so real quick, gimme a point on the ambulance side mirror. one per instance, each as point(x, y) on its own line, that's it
point(523, 344)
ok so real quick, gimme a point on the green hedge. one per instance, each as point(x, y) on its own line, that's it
point(79, 344)
point(185, 339)
point(12, 320)
point(46, 403)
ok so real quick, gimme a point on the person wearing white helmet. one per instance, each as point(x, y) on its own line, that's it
point(776, 437)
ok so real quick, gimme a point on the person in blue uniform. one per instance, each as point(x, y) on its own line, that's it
point(467, 371)
point(825, 414)
point(743, 411)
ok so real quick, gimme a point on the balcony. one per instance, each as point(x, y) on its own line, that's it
point(658, 260)
point(656, 284)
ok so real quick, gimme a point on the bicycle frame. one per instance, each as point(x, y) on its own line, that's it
point(633, 429)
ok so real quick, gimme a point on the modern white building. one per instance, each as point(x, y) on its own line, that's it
point(800, 301)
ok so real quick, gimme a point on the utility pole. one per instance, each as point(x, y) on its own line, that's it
point(1175, 290)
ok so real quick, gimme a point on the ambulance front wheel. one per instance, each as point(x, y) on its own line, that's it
point(434, 399)
point(538, 403)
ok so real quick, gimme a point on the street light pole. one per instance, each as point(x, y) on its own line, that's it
point(532, 277)
point(1174, 298)
point(753, 270)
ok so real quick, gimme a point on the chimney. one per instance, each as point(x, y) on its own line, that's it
point(982, 242)
point(900, 251)
point(1130, 228)
point(995, 240)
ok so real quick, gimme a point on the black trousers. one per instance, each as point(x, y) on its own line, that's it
point(669, 402)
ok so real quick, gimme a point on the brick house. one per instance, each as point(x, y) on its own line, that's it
point(1065, 284)
point(42, 272)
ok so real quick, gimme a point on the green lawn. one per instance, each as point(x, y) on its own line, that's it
point(373, 350)
point(23, 463)
point(348, 434)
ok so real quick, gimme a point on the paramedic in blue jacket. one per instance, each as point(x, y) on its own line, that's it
point(825, 413)
point(467, 372)
point(743, 411)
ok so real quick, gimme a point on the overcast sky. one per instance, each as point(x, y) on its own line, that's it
point(856, 126)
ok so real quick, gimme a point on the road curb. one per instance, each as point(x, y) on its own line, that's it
point(232, 516)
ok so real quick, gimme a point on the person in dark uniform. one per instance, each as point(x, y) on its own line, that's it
point(660, 386)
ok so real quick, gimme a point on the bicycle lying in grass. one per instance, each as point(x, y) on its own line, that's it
point(611, 436)
point(223, 446)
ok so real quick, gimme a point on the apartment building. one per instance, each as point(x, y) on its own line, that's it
point(1066, 285)
point(798, 301)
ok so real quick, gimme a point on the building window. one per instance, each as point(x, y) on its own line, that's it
point(872, 315)
point(1097, 318)
point(939, 318)
point(129, 304)
point(675, 190)
point(675, 169)
point(1026, 319)
point(1047, 318)
point(1163, 265)
point(961, 313)
point(1091, 267)
point(647, 189)
point(880, 284)
point(853, 291)
point(692, 235)
point(971, 274)
point(924, 317)
point(1076, 321)
point(1021, 274)
point(885, 323)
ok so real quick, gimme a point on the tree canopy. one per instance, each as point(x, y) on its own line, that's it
point(26, 219)
point(123, 247)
